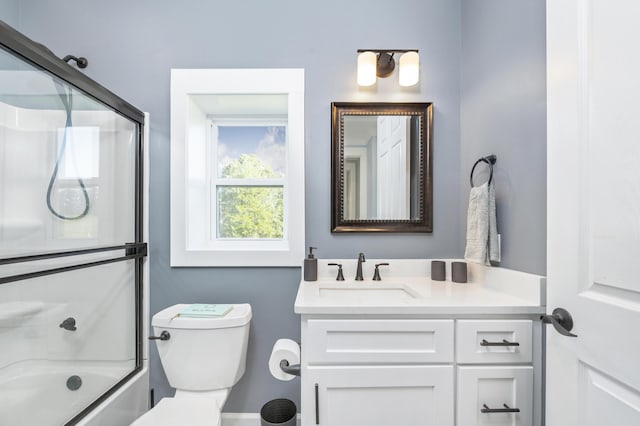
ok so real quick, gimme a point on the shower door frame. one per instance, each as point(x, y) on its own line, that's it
point(43, 59)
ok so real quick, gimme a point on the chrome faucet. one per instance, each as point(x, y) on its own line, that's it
point(359, 270)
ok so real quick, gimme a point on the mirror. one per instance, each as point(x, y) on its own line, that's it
point(381, 167)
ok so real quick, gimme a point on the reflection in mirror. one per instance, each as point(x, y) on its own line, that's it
point(381, 167)
point(381, 163)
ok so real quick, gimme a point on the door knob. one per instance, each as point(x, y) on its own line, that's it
point(561, 320)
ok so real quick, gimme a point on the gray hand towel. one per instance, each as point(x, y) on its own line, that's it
point(482, 234)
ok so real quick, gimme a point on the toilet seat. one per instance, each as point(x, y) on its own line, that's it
point(181, 411)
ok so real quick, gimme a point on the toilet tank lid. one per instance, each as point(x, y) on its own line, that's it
point(239, 315)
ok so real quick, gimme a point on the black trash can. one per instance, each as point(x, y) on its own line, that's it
point(278, 412)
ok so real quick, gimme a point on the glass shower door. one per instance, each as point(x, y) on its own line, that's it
point(71, 245)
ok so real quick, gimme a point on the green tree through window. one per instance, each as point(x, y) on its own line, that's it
point(250, 211)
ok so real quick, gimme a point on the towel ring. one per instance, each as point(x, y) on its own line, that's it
point(490, 160)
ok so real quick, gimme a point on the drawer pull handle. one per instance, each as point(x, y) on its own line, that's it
point(317, 407)
point(506, 409)
point(503, 343)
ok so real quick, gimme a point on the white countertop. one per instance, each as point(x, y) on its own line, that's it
point(407, 289)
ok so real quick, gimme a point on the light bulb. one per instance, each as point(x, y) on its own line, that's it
point(367, 62)
point(409, 73)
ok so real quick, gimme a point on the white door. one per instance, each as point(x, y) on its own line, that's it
point(593, 246)
point(393, 166)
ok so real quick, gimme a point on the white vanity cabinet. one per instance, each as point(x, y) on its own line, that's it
point(411, 351)
point(377, 372)
point(390, 370)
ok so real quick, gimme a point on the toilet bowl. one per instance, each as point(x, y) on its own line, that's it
point(181, 411)
point(202, 359)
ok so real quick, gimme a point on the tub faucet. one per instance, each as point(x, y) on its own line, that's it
point(69, 324)
point(359, 270)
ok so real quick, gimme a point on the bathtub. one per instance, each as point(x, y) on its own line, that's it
point(41, 393)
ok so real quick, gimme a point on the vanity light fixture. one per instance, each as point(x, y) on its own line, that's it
point(373, 63)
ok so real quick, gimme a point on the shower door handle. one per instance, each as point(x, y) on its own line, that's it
point(163, 336)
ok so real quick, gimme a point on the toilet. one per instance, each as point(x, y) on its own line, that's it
point(202, 359)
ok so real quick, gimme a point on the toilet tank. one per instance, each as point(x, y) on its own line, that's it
point(206, 353)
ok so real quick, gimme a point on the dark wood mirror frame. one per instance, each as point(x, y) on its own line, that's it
point(424, 222)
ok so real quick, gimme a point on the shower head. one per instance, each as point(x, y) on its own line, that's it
point(81, 62)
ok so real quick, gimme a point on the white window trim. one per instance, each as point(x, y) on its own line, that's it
point(186, 82)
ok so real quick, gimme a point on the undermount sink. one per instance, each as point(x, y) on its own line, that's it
point(366, 290)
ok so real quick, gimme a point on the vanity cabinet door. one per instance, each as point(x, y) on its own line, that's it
point(378, 396)
point(485, 391)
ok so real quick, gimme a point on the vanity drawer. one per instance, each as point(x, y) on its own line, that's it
point(378, 341)
point(484, 391)
point(494, 342)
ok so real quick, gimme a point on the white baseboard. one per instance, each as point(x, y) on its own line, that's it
point(245, 419)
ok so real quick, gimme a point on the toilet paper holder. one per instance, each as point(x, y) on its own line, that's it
point(294, 370)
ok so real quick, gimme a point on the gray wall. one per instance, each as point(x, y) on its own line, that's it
point(503, 112)
point(10, 12)
point(132, 46)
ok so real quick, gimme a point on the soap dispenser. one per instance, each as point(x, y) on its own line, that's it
point(311, 266)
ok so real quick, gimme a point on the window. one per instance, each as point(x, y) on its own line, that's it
point(237, 167)
point(249, 179)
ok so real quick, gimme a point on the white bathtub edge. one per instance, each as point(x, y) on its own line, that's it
point(125, 405)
